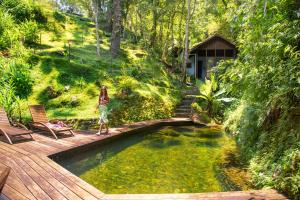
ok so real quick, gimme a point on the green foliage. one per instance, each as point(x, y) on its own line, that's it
point(59, 17)
point(11, 90)
point(29, 30)
point(211, 95)
point(265, 78)
point(126, 84)
point(17, 74)
point(7, 97)
point(19, 9)
point(8, 32)
point(38, 14)
point(139, 108)
point(23, 10)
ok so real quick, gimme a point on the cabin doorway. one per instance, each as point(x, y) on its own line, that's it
point(200, 68)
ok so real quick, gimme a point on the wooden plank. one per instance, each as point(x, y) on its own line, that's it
point(15, 182)
point(52, 143)
point(59, 186)
point(4, 172)
point(3, 197)
point(42, 183)
point(64, 180)
point(15, 148)
point(25, 178)
point(13, 194)
point(74, 178)
point(34, 148)
point(9, 150)
point(51, 140)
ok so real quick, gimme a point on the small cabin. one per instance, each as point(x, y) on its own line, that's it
point(205, 55)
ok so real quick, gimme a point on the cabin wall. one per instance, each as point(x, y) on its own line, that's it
point(217, 44)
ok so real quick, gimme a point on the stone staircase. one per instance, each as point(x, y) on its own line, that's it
point(183, 110)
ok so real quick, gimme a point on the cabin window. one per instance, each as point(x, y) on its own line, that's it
point(220, 52)
point(210, 53)
point(229, 52)
point(188, 65)
point(202, 53)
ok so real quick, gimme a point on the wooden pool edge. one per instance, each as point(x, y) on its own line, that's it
point(123, 131)
point(35, 175)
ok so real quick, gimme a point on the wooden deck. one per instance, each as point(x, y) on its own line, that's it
point(35, 176)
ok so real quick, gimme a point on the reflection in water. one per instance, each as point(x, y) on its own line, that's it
point(171, 159)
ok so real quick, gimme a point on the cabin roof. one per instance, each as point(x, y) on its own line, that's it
point(210, 39)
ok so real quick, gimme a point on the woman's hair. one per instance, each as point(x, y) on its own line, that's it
point(104, 92)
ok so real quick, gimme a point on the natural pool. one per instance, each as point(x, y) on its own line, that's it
point(180, 159)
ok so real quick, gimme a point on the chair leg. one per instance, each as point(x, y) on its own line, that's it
point(52, 132)
point(72, 133)
point(31, 136)
point(54, 135)
point(6, 136)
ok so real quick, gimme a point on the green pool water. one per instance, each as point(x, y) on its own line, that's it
point(169, 160)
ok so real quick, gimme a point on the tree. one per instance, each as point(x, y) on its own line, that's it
point(116, 32)
point(186, 43)
point(95, 6)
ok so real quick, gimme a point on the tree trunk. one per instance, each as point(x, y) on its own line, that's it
point(96, 15)
point(180, 34)
point(109, 16)
point(116, 32)
point(172, 39)
point(186, 43)
point(154, 24)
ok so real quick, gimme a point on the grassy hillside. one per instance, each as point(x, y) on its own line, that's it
point(67, 74)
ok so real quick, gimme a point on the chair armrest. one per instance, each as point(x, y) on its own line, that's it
point(20, 125)
point(41, 123)
point(53, 120)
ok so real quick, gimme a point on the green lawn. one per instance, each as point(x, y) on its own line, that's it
point(70, 89)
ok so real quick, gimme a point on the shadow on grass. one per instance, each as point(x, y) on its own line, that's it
point(41, 46)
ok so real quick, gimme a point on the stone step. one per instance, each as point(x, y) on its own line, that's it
point(191, 92)
point(182, 115)
point(186, 110)
point(190, 97)
point(187, 101)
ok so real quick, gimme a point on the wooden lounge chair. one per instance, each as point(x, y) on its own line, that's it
point(10, 131)
point(40, 121)
point(4, 172)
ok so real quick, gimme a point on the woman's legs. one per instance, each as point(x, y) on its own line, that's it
point(106, 125)
point(100, 129)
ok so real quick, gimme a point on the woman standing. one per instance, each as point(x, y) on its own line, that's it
point(102, 105)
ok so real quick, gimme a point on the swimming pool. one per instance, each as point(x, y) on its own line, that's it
point(171, 159)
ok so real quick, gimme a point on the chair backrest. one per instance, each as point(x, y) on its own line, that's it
point(3, 118)
point(38, 113)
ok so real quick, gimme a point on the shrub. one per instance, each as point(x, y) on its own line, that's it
point(52, 92)
point(126, 84)
point(19, 9)
point(38, 14)
point(8, 32)
point(59, 17)
point(139, 108)
point(30, 31)
point(19, 75)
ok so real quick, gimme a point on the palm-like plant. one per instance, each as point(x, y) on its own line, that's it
point(212, 95)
